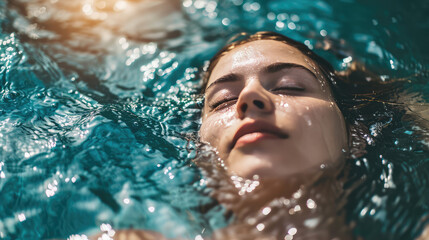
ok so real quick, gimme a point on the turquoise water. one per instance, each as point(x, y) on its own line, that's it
point(100, 109)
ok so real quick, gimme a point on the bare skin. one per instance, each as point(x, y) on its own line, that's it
point(268, 113)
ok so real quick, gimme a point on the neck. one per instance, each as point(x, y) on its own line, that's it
point(311, 206)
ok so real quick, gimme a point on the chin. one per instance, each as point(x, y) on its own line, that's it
point(270, 167)
point(249, 166)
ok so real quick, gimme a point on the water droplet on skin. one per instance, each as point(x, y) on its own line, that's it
point(227, 120)
point(308, 120)
point(285, 105)
point(288, 237)
point(310, 64)
point(311, 204)
point(286, 202)
point(297, 208)
point(292, 231)
point(266, 210)
point(297, 194)
point(251, 221)
point(311, 223)
point(260, 227)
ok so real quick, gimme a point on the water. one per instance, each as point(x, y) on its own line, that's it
point(100, 109)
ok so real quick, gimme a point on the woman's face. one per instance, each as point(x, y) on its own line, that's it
point(268, 114)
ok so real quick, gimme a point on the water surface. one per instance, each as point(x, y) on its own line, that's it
point(99, 110)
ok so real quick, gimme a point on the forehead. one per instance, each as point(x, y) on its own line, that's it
point(251, 56)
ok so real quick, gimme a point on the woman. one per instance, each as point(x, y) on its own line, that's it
point(282, 125)
point(271, 114)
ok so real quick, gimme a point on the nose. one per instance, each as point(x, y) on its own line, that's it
point(254, 99)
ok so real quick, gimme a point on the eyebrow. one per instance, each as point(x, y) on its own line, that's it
point(227, 78)
point(272, 68)
point(279, 66)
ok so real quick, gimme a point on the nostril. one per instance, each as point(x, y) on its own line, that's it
point(243, 107)
point(258, 103)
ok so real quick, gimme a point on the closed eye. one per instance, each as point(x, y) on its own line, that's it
point(288, 89)
point(223, 104)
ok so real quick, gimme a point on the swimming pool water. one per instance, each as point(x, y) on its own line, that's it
point(99, 110)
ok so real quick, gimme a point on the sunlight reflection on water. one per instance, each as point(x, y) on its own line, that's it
point(100, 106)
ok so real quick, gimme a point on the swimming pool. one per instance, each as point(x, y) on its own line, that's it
point(100, 109)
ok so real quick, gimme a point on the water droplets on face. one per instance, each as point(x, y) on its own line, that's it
point(311, 222)
point(318, 74)
point(228, 118)
point(284, 104)
point(308, 120)
point(310, 63)
point(260, 226)
point(311, 204)
point(248, 56)
point(266, 210)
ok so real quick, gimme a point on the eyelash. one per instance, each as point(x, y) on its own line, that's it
point(223, 103)
point(226, 102)
point(288, 88)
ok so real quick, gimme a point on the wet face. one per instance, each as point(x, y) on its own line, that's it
point(268, 113)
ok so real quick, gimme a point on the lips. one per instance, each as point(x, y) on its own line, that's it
point(255, 131)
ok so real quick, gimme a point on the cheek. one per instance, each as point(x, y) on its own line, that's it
point(308, 108)
point(328, 118)
point(214, 125)
point(336, 129)
point(313, 118)
point(297, 108)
